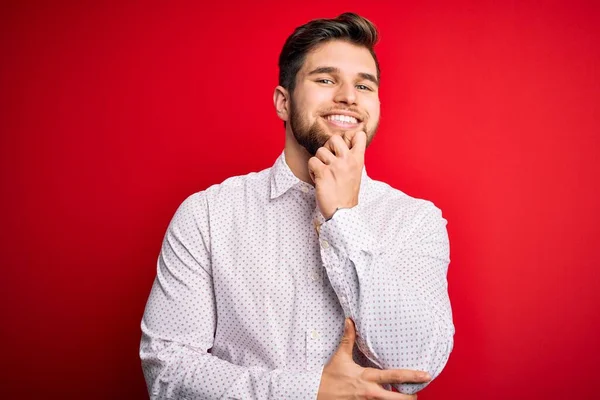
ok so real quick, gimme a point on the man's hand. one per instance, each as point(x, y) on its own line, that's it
point(336, 170)
point(344, 379)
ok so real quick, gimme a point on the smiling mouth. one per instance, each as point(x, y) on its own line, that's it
point(342, 121)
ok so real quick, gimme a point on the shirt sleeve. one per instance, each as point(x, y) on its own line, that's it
point(397, 293)
point(179, 324)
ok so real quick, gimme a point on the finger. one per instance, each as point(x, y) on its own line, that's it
point(359, 142)
point(347, 342)
point(315, 168)
point(325, 155)
point(382, 376)
point(379, 393)
point(337, 146)
point(407, 396)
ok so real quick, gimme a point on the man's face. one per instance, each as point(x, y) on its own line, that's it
point(336, 92)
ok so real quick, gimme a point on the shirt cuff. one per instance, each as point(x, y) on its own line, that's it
point(347, 252)
point(348, 233)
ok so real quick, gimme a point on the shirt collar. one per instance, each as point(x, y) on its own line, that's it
point(283, 179)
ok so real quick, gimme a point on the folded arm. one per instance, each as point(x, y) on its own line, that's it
point(396, 293)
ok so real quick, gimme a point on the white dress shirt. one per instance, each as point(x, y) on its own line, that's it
point(253, 286)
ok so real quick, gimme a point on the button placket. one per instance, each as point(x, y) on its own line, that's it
point(317, 224)
point(313, 348)
point(313, 276)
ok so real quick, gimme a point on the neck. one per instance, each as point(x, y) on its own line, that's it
point(296, 157)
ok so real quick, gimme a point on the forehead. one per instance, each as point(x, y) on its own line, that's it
point(347, 57)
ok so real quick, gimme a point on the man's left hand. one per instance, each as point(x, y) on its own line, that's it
point(336, 170)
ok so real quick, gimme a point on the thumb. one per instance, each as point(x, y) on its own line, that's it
point(347, 342)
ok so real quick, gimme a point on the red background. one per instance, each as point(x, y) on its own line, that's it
point(111, 114)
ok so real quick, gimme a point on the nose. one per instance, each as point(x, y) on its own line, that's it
point(345, 94)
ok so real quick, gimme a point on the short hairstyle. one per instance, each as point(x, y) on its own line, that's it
point(348, 26)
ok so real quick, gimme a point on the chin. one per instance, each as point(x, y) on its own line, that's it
point(329, 132)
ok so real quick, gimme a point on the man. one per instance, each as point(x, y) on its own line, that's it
point(265, 281)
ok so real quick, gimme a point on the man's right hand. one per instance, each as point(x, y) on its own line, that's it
point(344, 379)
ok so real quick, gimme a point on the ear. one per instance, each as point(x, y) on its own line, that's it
point(282, 102)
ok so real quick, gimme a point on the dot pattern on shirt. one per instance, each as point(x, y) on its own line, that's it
point(253, 285)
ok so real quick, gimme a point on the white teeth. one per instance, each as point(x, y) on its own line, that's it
point(342, 118)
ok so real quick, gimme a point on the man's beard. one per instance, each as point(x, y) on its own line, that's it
point(311, 137)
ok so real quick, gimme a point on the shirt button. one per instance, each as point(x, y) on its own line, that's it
point(314, 276)
point(325, 244)
point(304, 189)
point(317, 225)
point(314, 334)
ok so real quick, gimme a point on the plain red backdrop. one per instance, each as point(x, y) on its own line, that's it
point(112, 113)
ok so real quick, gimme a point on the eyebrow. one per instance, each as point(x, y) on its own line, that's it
point(333, 70)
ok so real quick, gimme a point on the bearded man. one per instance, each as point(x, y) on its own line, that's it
point(308, 280)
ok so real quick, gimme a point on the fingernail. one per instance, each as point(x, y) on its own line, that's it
point(424, 375)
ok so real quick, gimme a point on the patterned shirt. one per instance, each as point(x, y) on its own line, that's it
point(253, 286)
